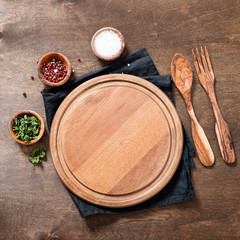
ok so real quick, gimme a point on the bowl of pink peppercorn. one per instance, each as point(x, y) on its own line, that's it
point(54, 69)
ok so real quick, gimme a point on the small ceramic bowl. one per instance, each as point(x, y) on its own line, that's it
point(48, 57)
point(28, 113)
point(106, 58)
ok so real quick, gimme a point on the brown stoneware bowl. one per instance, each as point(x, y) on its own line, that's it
point(58, 56)
point(28, 113)
point(121, 39)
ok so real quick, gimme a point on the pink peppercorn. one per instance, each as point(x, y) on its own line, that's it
point(79, 59)
point(54, 70)
point(32, 77)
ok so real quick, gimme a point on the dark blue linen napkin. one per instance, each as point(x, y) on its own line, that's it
point(140, 64)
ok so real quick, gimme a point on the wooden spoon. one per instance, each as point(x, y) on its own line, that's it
point(182, 77)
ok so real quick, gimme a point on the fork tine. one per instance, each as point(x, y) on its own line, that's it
point(199, 61)
point(195, 62)
point(204, 60)
point(208, 59)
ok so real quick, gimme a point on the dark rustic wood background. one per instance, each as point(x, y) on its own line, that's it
point(34, 204)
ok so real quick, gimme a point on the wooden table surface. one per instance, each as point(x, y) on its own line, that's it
point(34, 204)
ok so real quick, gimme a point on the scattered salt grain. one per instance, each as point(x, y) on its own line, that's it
point(129, 64)
point(108, 43)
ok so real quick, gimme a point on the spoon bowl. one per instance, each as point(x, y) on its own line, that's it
point(182, 77)
point(181, 73)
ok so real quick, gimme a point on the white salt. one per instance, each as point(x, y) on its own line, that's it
point(108, 43)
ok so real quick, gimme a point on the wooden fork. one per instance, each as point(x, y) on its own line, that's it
point(206, 76)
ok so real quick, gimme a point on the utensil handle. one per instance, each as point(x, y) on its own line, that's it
point(202, 145)
point(225, 141)
point(201, 142)
point(223, 133)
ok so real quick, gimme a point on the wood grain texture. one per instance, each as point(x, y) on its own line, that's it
point(116, 140)
point(34, 204)
point(182, 77)
point(206, 76)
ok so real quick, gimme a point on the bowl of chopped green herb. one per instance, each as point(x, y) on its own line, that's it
point(26, 127)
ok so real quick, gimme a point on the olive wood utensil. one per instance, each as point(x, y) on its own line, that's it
point(206, 76)
point(182, 77)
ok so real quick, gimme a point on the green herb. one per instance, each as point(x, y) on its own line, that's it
point(37, 155)
point(26, 128)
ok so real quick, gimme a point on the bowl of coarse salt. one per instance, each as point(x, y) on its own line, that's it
point(108, 43)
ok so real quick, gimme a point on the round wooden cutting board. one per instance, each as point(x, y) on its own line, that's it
point(116, 140)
